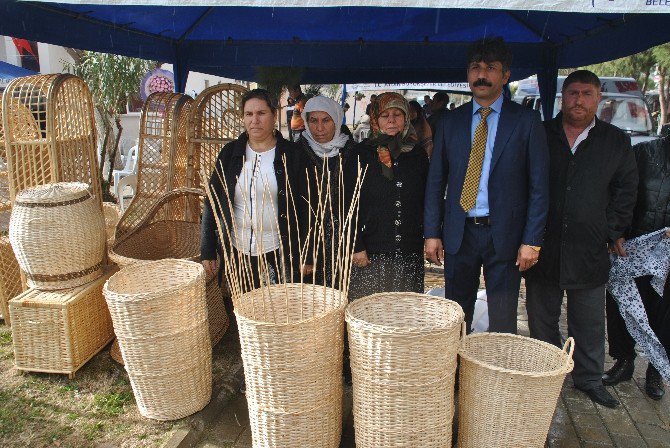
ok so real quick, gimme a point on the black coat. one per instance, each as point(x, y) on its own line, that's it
point(652, 211)
point(591, 199)
point(390, 215)
point(231, 158)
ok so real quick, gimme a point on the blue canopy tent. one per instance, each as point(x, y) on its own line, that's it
point(337, 41)
point(9, 72)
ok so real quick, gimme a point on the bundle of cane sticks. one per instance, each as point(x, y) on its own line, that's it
point(313, 244)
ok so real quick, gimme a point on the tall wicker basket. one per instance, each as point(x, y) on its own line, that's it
point(403, 349)
point(50, 132)
point(160, 319)
point(292, 352)
point(215, 119)
point(163, 159)
point(509, 386)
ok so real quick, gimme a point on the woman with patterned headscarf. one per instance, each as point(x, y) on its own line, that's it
point(388, 251)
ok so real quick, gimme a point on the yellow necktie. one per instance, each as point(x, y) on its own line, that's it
point(474, 171)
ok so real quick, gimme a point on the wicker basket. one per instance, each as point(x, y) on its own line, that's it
point(160, 319)
point(10, 277)
point(509, 386)
point(292, 341)
point(50, 132)
point(59, 331)
point(403, 348)
point(57, 232)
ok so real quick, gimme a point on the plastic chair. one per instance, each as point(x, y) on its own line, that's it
point(130, 167)
point(126, 181)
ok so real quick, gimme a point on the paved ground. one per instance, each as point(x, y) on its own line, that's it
point(639, 422)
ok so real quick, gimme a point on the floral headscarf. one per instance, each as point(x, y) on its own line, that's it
point(390, 147)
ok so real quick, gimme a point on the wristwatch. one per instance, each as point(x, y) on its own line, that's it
point(535, 248)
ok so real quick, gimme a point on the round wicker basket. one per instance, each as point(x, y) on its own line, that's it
point(509, 386)
point(57, 232)
point(159, 313)
point(403, 348)
point(292, 339)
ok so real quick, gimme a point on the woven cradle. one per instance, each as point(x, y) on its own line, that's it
point(57, 232)
point(403, 348)
point(59, 331)
point(50, 133)
point(509, 386)
point(291, 337)
point(10, 278)
point(160, 319)
point(163, 160)
point(215, 119)
point(160, 235)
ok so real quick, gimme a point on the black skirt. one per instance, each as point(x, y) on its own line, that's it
point(388, 272)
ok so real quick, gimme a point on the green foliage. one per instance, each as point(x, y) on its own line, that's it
point(111, 78)
point(311, 90)
point(111, 404)
point(274, 79)
point(637, 66)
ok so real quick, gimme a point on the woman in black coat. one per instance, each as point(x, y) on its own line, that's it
point(388, 252)
point(253, 203)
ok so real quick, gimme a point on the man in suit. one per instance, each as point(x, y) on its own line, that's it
point(491, 155)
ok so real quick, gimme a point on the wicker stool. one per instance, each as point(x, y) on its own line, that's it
point(160, 319)
point(292, 341)
point(509, 386)
point(403, 349)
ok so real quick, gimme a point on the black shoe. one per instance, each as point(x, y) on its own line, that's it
point(654, 384)
point(622, 370)
point(601, 396)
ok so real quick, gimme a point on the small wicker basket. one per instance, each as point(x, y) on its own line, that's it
point(159, 314)
point(292, 339)
point(403, 348)
point(59, 331)
point(57, 232)
point(509, 386)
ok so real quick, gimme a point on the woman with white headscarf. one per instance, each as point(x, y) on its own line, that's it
point(327, 148)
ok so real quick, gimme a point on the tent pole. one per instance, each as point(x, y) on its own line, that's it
point(546, 81)
point(180, 70)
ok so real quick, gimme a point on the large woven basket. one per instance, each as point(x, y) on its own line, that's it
point(292, 341)
point(10, 277)
point(57, 232)
point(403, 348)
point(509, 386)
point(160, 319)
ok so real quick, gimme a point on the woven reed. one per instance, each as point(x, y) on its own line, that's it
point(292, 356)
point(57, 232)
point(403, 349)
point(215, 120)
point(59, 331)
point(162, 159)
point(50, 132)
point(160, 319)
point(509, 386)
point(112, 214)
point(115, 352)
point(5, 202)
point(10, 278)
point(217, 317)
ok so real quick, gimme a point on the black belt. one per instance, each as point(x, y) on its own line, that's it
point(479, 220)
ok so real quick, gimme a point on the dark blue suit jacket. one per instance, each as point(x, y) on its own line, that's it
point(518, 180)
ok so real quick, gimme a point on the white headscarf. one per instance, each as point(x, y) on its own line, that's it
point(323, 104)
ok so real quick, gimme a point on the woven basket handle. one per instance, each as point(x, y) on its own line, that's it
point(165, 197)
point(464, 330)
point(569, 346)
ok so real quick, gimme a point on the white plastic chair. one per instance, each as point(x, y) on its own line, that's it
point(130, 167)
point(126, 181)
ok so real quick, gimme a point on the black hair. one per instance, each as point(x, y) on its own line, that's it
point(260, 94)
point(441, 96)
point(296, 87)
point(490, 49)
point(583, 76)
point(417, 108)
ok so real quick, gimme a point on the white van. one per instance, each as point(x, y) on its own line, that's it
point(622, 105)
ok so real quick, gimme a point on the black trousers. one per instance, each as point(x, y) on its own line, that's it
point(502, 276)
point(621, 344)
point(586, 324)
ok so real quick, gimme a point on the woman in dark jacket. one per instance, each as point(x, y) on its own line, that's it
point(250, 185)
point(388, 252)
point(326, 148)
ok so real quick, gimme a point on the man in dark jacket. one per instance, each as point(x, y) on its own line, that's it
point(593, 183)
point(652, 212)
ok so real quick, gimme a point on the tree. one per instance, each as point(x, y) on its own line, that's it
point(638, 66)
point(113, 79)
point(662, 55)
